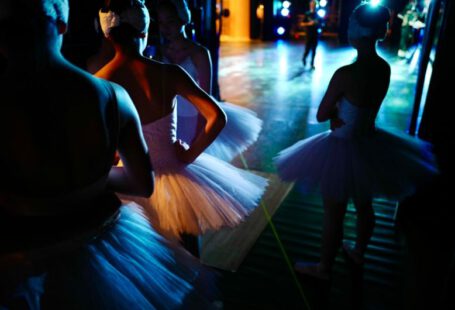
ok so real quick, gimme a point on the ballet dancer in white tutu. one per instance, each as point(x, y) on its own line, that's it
point(355, 159)
point(243, 126)
point(66, 240)
point(195, 192)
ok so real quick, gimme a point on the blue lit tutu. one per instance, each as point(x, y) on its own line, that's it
point(128, 266)
point(241, 131)
point(357, 160)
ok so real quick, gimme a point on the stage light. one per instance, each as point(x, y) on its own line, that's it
point(280, 31)
point(375, 2)
point(321, 13)
point(322, 3)
point(286, 4)
point(285, 12)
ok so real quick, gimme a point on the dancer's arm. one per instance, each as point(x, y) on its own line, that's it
point(203, 63)
point(136, 175)
point(214, 116)
point(327, 109)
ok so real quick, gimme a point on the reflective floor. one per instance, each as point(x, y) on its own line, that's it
point(269, 78)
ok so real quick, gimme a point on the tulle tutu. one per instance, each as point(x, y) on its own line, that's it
point(129, 266)
point(205, 195)
point(242, 130)
point(383, 164)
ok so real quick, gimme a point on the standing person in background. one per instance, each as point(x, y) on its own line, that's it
point(312, 23)
point(355, 159)
point(409, 16)
point(243, 126)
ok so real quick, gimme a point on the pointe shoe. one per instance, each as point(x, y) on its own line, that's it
point(352, 254)
point(312, 269)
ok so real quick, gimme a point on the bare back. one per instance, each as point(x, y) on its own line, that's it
point(365, 83)
point(148, 83)
point(58, 130)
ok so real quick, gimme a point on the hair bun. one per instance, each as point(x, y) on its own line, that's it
point(369, 21)
point(371, 15)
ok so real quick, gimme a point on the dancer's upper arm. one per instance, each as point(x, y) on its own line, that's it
point(215, 117)
point(132, 146)
point(327, 108)
point(203, 64)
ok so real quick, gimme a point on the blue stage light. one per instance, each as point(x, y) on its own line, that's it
point(280, 31)
point(286, 4)
point(323, 3)
point(321, 13)
point(285, 12)
point(375, 2)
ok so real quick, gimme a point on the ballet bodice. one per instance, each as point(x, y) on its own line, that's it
point(160, 136)
point(185, 108)
point(358, 121)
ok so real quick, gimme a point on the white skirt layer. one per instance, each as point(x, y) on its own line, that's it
point(384, 164)
point(242, 130)
point(129, 266)
point(205, 195)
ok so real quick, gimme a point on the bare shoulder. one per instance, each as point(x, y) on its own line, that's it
point(344, 71)
point(81, 86)
point(173, 73)
point(170, 77)
point(199, 53)
point(198, 48)
point(342, 74)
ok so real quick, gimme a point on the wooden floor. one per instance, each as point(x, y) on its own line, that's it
point(269, 78)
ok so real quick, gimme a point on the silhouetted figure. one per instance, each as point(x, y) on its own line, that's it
point(355, 159)
point(409, 16)
point(311, 22)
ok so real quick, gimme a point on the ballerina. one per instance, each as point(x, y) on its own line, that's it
point(356, 160)
point(195, 192)
point(243, 126)
point(65, 236)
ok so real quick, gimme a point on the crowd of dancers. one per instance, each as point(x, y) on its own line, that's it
point(61, 129)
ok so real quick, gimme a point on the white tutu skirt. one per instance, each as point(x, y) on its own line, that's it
point(242, 130)
point(205, 195)
point(129, 266)
point(383, 164)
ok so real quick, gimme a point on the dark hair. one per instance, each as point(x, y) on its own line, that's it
point(168, 5)
point(372, 16)
point(174, 8)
